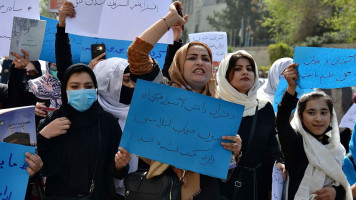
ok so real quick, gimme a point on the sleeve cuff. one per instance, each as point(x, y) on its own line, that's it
point(61, 30)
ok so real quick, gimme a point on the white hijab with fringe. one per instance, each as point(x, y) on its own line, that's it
point(268, 89)
point(325, 161)
point(229, 93)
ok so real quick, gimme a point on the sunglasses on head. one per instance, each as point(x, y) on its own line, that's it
point(32, 72)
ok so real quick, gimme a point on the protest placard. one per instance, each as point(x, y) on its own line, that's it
point(17, 125)
point(13, 174)
point(348, 120)
point(27, 34)
point(277, 183)
point(217, 41)
point(48, 47)
point(119, 20)
point(181, 128)
point(280, 90)
point(118, 48)
point(325, 67)
point(9, 9)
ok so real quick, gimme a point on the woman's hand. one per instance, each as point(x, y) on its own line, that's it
point(327, 193)
point(173, 18)
point(34, 163)
point(177, 32)
point(283, 170)
point(39, 109)
point(235, 146)
point(96, 60)
point(291, 75)
point(67, 9)
point(122, 158)
point(57, 127)
point(19, 61)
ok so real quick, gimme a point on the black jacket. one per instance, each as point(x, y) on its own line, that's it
point(262, 154)
point(296, 160)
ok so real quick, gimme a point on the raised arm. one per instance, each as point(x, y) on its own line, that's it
point(62, 45)
point(138, 52)
point(287, 136)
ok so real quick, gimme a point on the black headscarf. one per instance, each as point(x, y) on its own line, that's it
point(38, 69)
point(77, 68)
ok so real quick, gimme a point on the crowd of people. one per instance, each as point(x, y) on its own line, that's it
point(78, 143)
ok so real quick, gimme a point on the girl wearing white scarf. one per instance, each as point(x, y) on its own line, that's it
point(311, 144)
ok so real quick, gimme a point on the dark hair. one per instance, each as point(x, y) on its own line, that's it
point(77, 68)
point(302, 103)
point(232, 63)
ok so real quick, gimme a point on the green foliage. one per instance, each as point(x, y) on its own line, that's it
point(344, 17)
point(230, 49)
point(228, 19)
point(44, 9)
point(326, 38)
point(292, 21)
point(279, 50)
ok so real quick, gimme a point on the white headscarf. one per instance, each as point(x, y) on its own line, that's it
point(268, 89)
point(325, 161)
point(109, 74)
point(229, 93)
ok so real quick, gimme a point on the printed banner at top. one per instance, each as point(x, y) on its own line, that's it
point(117, 19)
point(8, 10)
point(181, 128)
point(217, 41)
point(325, 67)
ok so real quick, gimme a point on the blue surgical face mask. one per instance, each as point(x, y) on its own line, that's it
point(82, 99)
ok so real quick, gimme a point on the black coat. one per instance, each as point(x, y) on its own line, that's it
point(292, 146)
point(263, 152)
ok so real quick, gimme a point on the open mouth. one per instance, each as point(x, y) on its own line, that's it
point(199, 71)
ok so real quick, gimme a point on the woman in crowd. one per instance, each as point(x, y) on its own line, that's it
point(268, 89)
point(311, 144)
point(191, 70)
point(22, 71)
point(238, 83)
point(348, 165)
point(79, 141)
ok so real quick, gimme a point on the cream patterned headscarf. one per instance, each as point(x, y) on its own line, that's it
point(229, 93)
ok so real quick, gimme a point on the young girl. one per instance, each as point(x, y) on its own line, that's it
point(311, 144)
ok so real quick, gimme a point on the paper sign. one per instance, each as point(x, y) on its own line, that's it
point(277, 183)
point(13, 174)
point(281, 88)
point(117, 19)
point(27, 34)
point(217, 41)
point(48, 48)
point(349, 118)
point(118, 48)
point(325, 67)
point(17, 125)
point(9, 9)
point(181, 128)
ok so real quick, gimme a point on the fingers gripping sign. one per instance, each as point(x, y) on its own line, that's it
point(122, 158)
